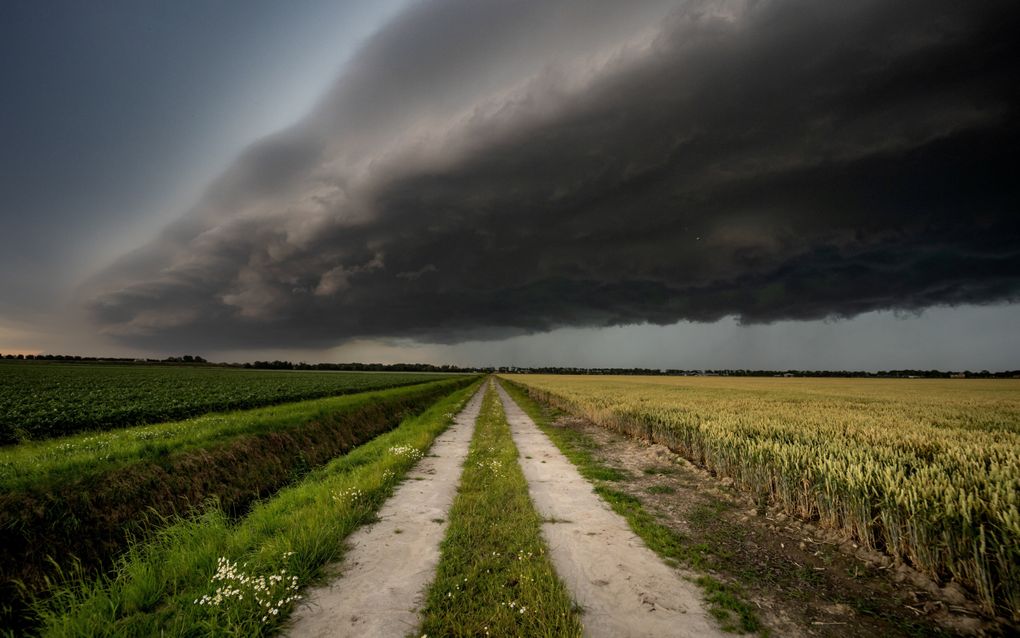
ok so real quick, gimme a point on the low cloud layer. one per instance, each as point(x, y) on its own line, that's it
point(485, 169)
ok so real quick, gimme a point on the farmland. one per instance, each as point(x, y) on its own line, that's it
point(69, 457)
point(43, 400)
point(229, 522)
point(926, 471)
point(175, 585)
point(81, 500)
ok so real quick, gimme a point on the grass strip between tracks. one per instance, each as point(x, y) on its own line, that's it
point(726, 603)
point(494, 576)
point(207, 576)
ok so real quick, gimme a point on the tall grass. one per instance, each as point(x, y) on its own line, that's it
point(209, 576)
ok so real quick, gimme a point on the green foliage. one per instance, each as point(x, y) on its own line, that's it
point(178, 584)
point(72, 457)
point(494, 577)
point(727, 605)
point(84, 510)
point(41, 400)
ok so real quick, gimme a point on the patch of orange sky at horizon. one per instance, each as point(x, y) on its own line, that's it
point(17, 351)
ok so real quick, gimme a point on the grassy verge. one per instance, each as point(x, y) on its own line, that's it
point(85, 522)
point(209, 576)
point(725, 601)
point(494, 577)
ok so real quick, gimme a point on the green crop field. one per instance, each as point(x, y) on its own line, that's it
point(202, 576)
point(73, 504)
point(43, 400)
point(66, 458)
point(925, 470)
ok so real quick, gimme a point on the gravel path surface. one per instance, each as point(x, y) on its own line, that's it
point(384, 576)
point(625, 589)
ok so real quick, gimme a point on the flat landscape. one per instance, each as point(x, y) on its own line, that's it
point(542, 505)
point(510, 319)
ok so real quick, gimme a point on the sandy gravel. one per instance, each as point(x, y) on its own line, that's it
point(625, 589)
point(383, 577)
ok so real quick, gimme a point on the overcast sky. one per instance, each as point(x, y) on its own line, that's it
point(663, 183)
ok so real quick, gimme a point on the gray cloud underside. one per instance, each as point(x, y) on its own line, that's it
point(493, 168)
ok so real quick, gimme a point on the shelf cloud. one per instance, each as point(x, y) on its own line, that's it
point(485, 169)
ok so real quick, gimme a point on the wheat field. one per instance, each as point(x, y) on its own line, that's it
point(925, 470)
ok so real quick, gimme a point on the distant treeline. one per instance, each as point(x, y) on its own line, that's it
point(357, 367)
point(69, 357)
point(883, 374)
point(255, 365)
point(428, 367)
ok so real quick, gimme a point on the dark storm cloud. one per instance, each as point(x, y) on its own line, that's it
point(494, 168)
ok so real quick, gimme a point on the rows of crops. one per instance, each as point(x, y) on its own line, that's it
point(68, 458)
point(216, 576)
point(42, 400)
point(926, 470)
point(75, 503)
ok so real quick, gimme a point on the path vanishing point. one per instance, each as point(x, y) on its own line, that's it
point(624, 588)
